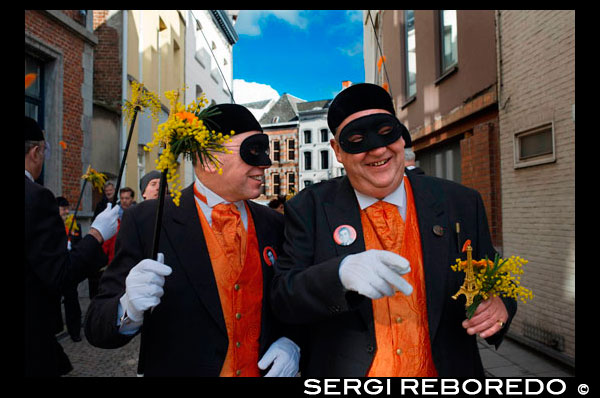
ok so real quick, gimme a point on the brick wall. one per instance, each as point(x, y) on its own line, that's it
point(480, 165)
point(107, 63)
point(538, 203)
point(49, 31)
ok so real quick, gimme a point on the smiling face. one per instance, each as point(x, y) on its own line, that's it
point(239, 180)
point(376, 172)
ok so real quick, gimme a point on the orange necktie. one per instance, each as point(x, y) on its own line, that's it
point(387, 223)
point(228, 229)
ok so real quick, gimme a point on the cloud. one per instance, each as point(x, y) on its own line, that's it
point(249, 21)
point(352, 50)
point(245, 92)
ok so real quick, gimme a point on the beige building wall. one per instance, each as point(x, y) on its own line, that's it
point(155, 57)
point(536, 54)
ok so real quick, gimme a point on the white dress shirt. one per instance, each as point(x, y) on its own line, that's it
point(397, 197)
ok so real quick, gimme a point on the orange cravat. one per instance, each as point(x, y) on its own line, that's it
point(229, 231)
point(387, 223)
point(401, 327)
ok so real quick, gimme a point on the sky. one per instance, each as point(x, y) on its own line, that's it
point(305, 53)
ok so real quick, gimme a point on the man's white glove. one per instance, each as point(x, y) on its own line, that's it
point(106, 222)
point(284, 354)
point(375, 273)
point(144, 287)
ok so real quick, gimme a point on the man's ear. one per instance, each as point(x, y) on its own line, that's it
point(336, 149)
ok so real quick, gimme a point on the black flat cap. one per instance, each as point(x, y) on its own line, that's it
point(358, 97)
point(33, 132)
point(232, 117)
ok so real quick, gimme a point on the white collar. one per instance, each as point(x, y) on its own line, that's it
point(397, 197)
point(28, 175)
point(212, 199)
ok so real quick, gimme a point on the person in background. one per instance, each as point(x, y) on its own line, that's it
point(277, 205)
point(410, 161)
point(70, 297)
point(150, 185)
point(50, 268)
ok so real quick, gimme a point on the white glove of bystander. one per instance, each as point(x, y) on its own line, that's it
point(375, 273)
point(284, 354)
point(144, 287)
point(106, 222)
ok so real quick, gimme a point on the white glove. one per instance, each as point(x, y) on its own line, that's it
point(375, 273)
point(106, 222)
point(284, 354)
point(144, 287)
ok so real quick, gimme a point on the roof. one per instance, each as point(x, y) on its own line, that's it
point(285, 110)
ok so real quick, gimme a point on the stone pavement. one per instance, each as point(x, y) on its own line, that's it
point(512, 359)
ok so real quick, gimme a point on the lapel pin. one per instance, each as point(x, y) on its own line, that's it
point(344, 235)
point(438, 230)
point(269, 255)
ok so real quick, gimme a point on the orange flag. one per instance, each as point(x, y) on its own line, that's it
point(29, 79)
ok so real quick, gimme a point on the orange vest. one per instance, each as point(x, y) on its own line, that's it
point(240, 292)
point(401, 326)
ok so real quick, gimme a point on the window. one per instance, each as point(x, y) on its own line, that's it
point(442, 161)
point(410, 54)
point(291, 182)
point(324, 135)
point(291, 150)
point(535, 146)
point(276, 151)
point(307, 161)
point(324, 160)
point(262, 185)
point(34, 104)
point(275, 119)
point(276, 185)
point(307, 136)
point(448, 28)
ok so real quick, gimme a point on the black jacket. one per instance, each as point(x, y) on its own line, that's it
point(339, 333)
point(185, 335)
point(49, 269)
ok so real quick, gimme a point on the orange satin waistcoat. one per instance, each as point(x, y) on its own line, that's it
point(240, 292)
point(401, 325)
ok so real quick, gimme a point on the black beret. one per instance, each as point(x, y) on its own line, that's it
point(61, 201)
point(33, 132)
point(356, 98)
point(232, 117)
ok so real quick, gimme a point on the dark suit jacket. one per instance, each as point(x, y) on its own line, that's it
point(339, 336)
point(49, 270)
point(185, 335)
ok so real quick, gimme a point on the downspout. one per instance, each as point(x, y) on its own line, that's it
point(124, 84)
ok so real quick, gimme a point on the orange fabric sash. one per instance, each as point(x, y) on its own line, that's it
point(240, 292)
point(401, 326)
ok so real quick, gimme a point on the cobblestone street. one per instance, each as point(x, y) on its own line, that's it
point(89, 361)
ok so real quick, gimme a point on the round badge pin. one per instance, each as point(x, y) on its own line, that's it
point(269, 256)
point(344, 235)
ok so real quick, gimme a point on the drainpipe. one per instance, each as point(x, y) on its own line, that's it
point(124, 85)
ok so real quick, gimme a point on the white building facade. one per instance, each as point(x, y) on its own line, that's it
point(317, 161)
point(210, 36)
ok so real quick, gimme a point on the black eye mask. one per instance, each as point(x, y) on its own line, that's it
point(372, 131)
point(254, 150)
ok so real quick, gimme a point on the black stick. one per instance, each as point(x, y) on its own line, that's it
point(159, 212)
point(76, 210)
point(114, 200)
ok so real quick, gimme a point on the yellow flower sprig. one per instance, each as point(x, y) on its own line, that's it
point(69, 221)
point(95, 178)
point(187, 132)
point(141, 98)
point(498, 278)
